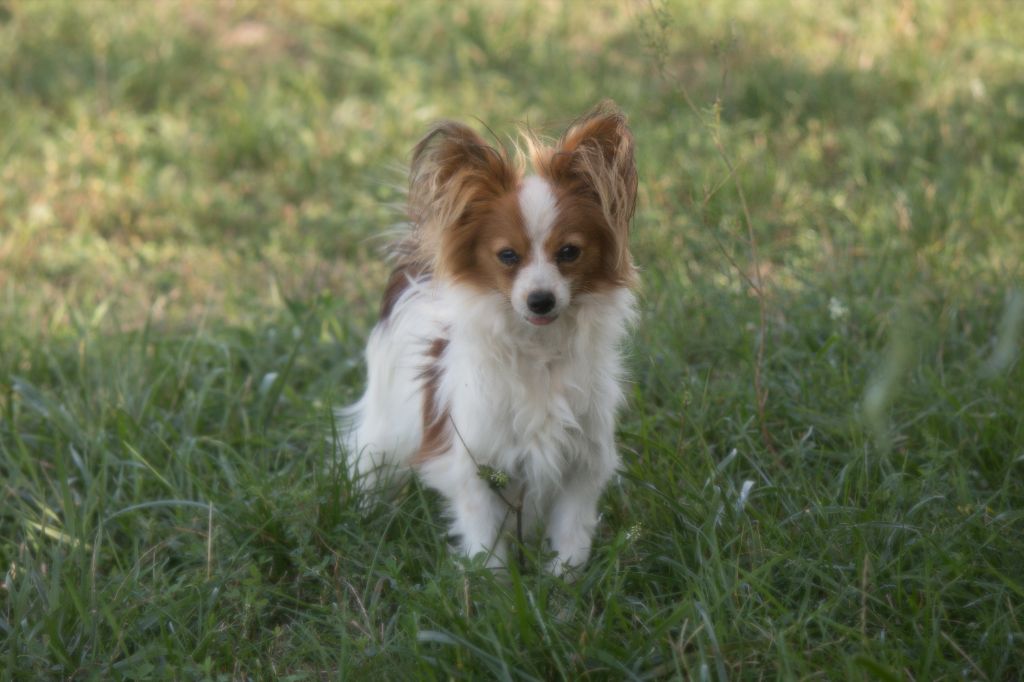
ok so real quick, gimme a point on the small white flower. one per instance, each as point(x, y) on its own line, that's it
point(837, 310)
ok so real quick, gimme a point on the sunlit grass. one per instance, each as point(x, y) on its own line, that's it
point(192, 201)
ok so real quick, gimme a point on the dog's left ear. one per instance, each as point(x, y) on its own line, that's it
point(596, 155)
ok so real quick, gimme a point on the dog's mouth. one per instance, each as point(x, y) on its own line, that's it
point(541, 320)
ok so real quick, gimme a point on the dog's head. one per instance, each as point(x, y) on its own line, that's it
point(541, 239)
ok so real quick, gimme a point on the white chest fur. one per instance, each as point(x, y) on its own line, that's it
point(533, 402)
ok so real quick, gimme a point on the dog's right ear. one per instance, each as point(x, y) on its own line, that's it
point(453, 172)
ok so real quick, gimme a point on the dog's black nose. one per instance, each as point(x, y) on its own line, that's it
point(540, 302)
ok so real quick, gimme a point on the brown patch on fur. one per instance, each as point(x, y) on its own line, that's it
point(475, 260)
point(436, 437)
point(398, 282)
point(582, 224)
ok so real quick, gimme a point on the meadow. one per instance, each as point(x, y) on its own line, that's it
point(823, 448)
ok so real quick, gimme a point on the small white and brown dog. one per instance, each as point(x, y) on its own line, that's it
point(499, 341)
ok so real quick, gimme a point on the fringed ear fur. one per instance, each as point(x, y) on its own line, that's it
point(596, 154)
point(453, 175)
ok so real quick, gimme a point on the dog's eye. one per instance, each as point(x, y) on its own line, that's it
point(567, 253)
point(508, 257)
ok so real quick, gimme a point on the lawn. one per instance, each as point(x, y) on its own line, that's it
point(824, 443)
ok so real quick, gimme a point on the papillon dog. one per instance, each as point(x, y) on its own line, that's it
point(495, 370)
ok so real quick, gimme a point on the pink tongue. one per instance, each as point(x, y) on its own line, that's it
point(541, 320)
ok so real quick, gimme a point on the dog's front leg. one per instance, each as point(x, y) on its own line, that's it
point(477, 513)
point(574, 515)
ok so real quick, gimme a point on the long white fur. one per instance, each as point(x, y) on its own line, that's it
point(537, 402)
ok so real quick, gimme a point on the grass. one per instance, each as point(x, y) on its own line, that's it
point(192, 198)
